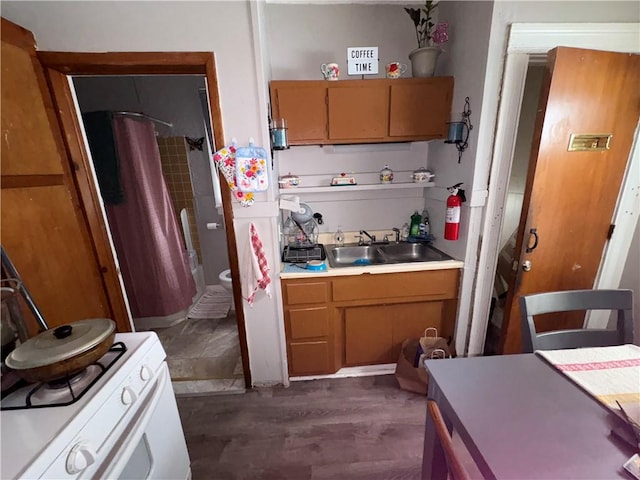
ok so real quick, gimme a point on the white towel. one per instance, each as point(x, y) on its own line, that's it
point(254, 268)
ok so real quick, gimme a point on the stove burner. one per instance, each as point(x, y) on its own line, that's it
point(65, 382)
point(66, 391)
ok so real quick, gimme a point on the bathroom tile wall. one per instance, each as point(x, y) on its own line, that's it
point(175, 166)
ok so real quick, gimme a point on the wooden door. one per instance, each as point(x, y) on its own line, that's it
point(44, 230)
point(359, 112)
point(570, 195)
point(304, 106)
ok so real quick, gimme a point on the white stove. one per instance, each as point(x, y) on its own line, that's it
point(122, 423)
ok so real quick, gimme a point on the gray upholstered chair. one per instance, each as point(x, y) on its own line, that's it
point(540, 303)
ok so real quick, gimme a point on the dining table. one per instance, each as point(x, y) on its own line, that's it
point(520, 417)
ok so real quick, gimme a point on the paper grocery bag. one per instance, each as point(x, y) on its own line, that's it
point(410, 371)
point(409, 377)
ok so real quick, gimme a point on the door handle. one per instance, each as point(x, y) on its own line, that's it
point(526, 265)
point(532, 233)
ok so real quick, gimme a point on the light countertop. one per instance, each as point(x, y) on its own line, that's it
point(288, 271)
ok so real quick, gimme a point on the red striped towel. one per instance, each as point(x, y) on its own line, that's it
point(254, 268)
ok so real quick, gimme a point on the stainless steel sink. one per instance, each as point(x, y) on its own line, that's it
point(350, 255)
point(412, 252)
point(392, 253)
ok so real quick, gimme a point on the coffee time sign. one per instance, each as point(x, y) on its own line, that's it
point(362, 60)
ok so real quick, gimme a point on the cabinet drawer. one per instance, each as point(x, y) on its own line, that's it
point(306, 358)
point(297, 293)
point(435, 284)
point(308, 322)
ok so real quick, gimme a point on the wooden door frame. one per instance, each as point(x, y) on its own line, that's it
point(529, 42)
point(58, 67)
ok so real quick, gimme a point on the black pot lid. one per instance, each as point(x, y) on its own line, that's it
point(60, 343)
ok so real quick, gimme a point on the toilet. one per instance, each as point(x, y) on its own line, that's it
point(225, 280)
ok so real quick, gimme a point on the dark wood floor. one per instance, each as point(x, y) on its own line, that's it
point(351, 428)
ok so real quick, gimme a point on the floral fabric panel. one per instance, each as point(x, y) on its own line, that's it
point(251, 169)
point(225, 160)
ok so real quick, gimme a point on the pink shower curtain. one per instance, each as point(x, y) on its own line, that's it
point(151, 252)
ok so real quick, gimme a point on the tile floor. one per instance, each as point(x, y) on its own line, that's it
point(204, 356)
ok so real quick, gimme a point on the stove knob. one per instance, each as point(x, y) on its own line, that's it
point(145, 373)
point(79, 458)
point(128, 396)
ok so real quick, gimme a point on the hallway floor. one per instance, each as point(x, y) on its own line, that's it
point(204, 356)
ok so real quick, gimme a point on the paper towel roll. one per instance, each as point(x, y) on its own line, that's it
point(290, 202)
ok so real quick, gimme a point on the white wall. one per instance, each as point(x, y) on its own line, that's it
point(221, 27)
point(173, 99)
point(465, 58)
point(336, 27)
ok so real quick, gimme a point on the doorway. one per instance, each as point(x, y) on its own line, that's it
point(194, 319)
point(529, 42)
point(60, 66)
point(513, 204)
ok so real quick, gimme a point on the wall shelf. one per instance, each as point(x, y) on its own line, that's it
point(355, 188)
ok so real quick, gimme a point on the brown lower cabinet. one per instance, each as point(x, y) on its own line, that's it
point(344, 321)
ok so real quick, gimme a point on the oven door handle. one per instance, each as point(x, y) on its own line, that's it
point(132, 435)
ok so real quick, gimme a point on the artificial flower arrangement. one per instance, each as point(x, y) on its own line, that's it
point(428, 33)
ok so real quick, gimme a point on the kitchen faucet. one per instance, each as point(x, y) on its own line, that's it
point(397, 230)
point(371, 237)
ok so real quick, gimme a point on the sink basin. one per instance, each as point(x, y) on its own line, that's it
point(350, 255)
point(412, 252)
point(392, 253)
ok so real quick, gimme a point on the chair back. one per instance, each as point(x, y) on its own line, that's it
point(619, 300)
point(454, 465)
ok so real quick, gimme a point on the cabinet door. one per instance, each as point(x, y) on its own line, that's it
point(310, 358)
point(421, 109)
point(358, 112)
point(411, 320)
point(374, 334)
point(43, 229)
point(308, 323)
point(368, 335)
point(304, 106)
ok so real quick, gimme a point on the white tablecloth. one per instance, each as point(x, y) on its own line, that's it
point(609, 374)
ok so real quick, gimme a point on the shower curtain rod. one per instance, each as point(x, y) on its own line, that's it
point(136, 114)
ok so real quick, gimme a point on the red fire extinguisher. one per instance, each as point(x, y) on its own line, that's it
point(452, 221)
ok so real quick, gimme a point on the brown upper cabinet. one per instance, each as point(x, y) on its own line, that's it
point(363, 111)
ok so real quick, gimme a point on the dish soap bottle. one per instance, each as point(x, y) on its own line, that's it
point(339, 236)
point(425, 228)
point(414, 230)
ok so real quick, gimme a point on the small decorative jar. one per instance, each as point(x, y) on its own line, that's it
point(386, 175)
point(288, 181)
point(421, 175)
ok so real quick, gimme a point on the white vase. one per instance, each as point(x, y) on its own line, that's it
point(423, 61)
